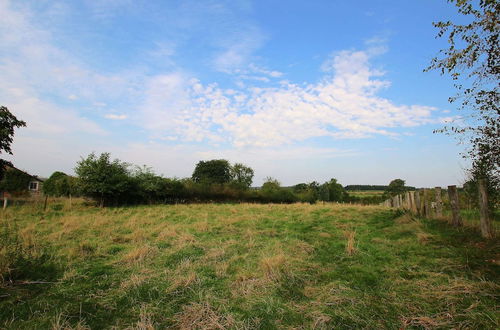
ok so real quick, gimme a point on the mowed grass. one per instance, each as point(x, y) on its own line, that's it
point(249, 267)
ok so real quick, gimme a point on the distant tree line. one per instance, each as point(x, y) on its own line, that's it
point(113, 182)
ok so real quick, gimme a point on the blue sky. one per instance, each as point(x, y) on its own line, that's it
point(298, 90)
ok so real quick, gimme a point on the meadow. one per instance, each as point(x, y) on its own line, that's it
point(242, 266)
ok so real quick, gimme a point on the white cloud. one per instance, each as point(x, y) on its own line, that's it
point(115, 116)
point(344, 104)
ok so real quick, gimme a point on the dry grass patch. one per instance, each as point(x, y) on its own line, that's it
point(201, 227)
point(202, 316)
point(273, 266)
point(350, 247)
point(134, 281)
point(140, 254)
point(166, 233)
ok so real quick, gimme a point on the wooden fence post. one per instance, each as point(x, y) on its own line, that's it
point(486, 230)
point(418, 203)
point(5, 202)
point(439, 202)
point(413, 207)
point(45, 203)
point(455, 209)
point(427, 204)
point(400, 201)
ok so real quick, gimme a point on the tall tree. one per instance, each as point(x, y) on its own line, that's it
point(212, 171)
point(473, 61)
point(242, 175)
point(8, 123)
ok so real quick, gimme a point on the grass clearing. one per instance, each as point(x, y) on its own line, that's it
point(247, 266)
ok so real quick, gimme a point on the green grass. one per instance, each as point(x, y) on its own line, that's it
point(247, 266)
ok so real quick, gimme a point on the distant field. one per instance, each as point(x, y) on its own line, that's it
point(365, 193)
point(245, 266)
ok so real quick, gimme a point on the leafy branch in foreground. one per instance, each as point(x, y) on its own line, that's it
point(473, 61)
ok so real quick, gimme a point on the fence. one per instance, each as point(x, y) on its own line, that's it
point(433, 203)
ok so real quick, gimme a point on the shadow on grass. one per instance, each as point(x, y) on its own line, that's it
point(478, 255)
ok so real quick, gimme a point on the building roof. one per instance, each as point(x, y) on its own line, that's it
point(36, 178)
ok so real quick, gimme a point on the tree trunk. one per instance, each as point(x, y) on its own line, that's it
point(486, 230)
point(455, 209)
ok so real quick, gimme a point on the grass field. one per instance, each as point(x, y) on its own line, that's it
point(245, 266)
point(365, 193)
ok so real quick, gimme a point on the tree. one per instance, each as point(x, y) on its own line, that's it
point(52, 186)
point(242, 175)
point(396, 187)
point(151, 187)
point(473, 61)
point(324, 192)
point(8, 123)
point(102, 179)
point(337, 192)
point(271, 185)
point(212, 171)
point(60, 184)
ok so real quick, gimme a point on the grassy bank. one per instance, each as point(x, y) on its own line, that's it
point(245, 266)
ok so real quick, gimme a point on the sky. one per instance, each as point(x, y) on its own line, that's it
point(300, 91)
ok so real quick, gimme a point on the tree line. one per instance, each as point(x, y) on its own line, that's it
point(113, 182)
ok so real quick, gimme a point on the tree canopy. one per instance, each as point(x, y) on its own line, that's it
point(242, 175)
point(396, 187)
point(212, 171)
point(472, 59)
point(8, 123)
point(103, 179)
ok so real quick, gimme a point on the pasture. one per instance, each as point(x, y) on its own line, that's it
point(242, 266)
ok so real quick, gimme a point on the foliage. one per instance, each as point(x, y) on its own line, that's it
point(212, 171)
point(60, 184)
point(242, 175)
point(15, 181)
point(396, 187)
point(336, 191)
point(473, 61)
point(8, 123)
point(104, 180)
point(271, 191)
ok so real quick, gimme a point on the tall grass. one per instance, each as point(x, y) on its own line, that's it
point(246, 266)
